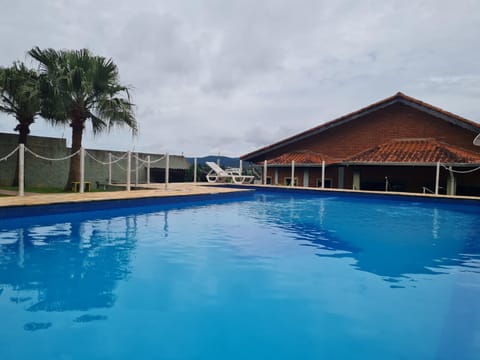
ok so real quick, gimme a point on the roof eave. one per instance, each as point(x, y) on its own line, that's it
point(397, 98)
point(371, 163)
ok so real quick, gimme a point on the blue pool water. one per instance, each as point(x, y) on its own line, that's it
point(260, 276)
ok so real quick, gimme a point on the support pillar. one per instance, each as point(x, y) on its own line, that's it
point(195, 170)
point(323, 174)
point(265, 172)
point(306, 178)
point(292, 181)
point(148, 169)
point(451, 183)
point(167, 171)
point(437, 178)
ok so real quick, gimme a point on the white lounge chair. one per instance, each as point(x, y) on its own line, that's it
point(217, 174)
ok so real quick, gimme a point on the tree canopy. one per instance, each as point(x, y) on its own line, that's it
point(76, 86)
point(19, 96)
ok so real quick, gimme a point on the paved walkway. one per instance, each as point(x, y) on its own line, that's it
point(154, 190)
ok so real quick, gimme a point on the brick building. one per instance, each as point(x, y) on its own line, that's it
point(393, 144)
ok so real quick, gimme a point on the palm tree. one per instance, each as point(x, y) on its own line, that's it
point(19, 96)
point(77, 86)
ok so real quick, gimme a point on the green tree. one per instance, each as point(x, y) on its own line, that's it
point(19, 97)
point(77, 86)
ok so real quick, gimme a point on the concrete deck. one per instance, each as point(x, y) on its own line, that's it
point(154, 190)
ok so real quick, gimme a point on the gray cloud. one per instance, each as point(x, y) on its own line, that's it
point(229, 76)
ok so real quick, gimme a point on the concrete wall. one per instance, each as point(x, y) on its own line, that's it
point(45, 173)
point(37, 172)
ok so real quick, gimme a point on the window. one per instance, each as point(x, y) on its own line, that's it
point(269, 180)
point(328, 183)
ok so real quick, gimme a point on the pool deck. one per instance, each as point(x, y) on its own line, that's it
point(152, 190)
point(178, 189)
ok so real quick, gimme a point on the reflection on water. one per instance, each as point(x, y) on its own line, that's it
point(75, 264)
point(391, 240)
point(71, 265)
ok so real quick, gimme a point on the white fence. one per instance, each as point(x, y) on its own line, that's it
point(113, 160)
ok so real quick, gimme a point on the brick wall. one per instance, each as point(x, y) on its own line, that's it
point(393, 122)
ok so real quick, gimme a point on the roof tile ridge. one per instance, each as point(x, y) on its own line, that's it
point(419, 139)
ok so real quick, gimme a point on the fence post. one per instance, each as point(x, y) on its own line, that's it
point(167, 170)
point(109, 168)
point(129, 165)
point(82, 169)
point(437, 178)
point(323, 174)
point(21, 170)
point(195, 170)
point(148, 169)
point(265, 172)
point(136, 169)
point(292, 181)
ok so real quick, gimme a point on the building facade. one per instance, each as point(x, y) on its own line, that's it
point(395, 144)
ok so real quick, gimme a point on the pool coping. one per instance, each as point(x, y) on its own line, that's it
point(362, 193)
point(193, 190)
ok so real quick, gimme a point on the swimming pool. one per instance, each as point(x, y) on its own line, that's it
point(259, 276)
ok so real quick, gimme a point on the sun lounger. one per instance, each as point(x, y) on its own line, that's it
point(217, 174)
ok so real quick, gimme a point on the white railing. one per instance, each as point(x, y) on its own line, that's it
point(112, 159)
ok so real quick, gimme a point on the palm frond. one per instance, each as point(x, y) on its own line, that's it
point(119, 112)
point(78, 85)
point(98, 125)
point(19, 92)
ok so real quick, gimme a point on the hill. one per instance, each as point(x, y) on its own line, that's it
point(225, 161)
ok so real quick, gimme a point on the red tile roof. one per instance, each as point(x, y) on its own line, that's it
point(305, 157)
point(415, 151)
point(397, 98)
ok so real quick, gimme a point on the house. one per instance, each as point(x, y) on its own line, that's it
point(396, 144)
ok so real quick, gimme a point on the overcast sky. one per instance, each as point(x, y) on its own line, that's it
point(225, 76)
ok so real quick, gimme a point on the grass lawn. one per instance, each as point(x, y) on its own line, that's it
point(40, 190)
point(50, 190)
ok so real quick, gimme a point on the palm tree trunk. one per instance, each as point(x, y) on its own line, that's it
point(77, 134)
